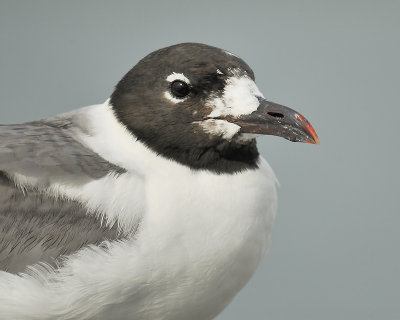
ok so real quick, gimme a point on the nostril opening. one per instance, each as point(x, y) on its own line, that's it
point(276, 114)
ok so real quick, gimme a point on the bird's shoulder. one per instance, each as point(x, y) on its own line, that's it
point(52, 149)
point(57, 194)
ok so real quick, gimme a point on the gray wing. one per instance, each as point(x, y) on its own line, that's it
point(50, 149)
point(34, 227)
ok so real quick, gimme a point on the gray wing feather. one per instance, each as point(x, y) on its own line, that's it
point(36, 228)
point(49, 149)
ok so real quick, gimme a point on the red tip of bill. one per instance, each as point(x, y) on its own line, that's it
point(312, 132)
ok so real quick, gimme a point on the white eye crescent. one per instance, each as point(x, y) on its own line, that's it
point(178, 76)
point(179, 88)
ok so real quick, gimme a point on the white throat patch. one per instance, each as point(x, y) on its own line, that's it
point(220, 127)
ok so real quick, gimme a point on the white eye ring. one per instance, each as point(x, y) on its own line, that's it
point(178, 76)
point(174, 76)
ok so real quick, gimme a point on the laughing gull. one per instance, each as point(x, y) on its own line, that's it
point(154, 205)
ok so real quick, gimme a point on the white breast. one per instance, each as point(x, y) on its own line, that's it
point(200, 240)
point(209, 234)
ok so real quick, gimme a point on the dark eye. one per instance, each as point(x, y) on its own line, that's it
point(180, 89)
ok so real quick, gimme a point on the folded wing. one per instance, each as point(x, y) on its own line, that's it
point(50, 150)
point(34, 225)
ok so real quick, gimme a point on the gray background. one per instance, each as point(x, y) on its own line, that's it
point(334, 251)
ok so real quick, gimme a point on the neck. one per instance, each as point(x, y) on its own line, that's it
point(197, 151)
point(220, 157)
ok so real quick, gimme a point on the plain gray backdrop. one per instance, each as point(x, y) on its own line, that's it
point(334, 252)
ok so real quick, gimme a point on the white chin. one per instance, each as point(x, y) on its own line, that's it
point(244, 138)
point(219, 127)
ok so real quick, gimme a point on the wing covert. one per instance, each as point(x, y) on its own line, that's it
point(50, 150)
